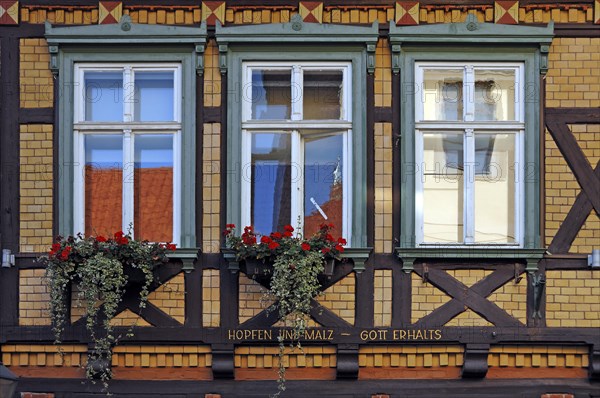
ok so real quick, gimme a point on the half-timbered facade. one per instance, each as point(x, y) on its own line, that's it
point(455, 145)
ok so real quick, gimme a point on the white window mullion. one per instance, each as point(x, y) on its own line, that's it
point(469, 94)
point(469, 187)
point(297, 181)
point(128, 179)
point(419, 180)
point(347, 184)
point(128, 94)
point(79, 183)
point(177, 188)
point(246, 179)
point(296, 94)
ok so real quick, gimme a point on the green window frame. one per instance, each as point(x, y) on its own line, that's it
point(126, 42)
point(291, 42)
point(471, 42)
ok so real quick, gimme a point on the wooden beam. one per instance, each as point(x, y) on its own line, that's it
point(569, 228)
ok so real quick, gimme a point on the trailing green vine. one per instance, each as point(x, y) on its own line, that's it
point(102, 269)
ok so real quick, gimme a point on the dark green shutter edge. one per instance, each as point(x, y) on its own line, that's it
point(471, 41)
point(127, 42)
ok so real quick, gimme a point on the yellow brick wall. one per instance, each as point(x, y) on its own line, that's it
point(425, 298)
point(33, 298)
point(251, 298)
point(35, 79)
point(538, 357)
point(268, 357)
point(573, 299)
point(340, 298)
point(211, 188)
point(573, 78)
point(128, 318)
point(44, 355)
point(211, 301)
point(212, 75)
point(383, 74)
point(512, 298)
point(161, 356)
point(170, 297)
point(410, 356)
point(382, 298)
point(36, 187)
point(383, 188)
point(562, 187)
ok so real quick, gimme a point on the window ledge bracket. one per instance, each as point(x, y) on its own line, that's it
point(188, 257)
point(359, 255)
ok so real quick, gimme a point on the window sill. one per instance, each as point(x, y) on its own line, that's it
point(358, 255)
point(409, 255)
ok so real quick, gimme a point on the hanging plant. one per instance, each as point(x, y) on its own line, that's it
point(296, 266)
point(103, 269)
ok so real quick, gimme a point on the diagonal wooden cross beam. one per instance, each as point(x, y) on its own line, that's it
point(580, 211)
point(151, 314)
point(464, 297)
point(557, 125)
point(320, 314)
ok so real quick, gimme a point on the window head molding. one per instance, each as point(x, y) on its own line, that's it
point(125, 33)
point(298, 32)
point(471, 32)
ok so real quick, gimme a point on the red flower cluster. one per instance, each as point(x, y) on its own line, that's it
point(120, 238)
point(253, 245)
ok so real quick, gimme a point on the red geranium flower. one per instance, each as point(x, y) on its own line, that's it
point(119, 234)
point(325, 250)
point(329, 238)
point(64, 254)
point(122, 240)
point(273, 245)
point(276, 235)
point(230, 226)
point(341, 241)
point(171, 246)
point(288, 228)
point(339, 248)
point(305, 246)
point(287, 234)
point(100, 238)
point(265, 239)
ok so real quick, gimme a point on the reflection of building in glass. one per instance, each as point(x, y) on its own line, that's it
point(153, 202)
point(332, 208)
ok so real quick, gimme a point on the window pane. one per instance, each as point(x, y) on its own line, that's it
point(153, 97)
point(495, 94)
point(271, 181)
point(322, 97)
point(271, 94)
point(103, 184)
point(153, 187)
point(495, 189)
point(323, 183)
point(442, 94)
point(103, 96)
point(442, 188)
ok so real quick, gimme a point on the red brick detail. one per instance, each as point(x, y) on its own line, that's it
point(558, 396)
point(36, 395)
point(212, 395)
